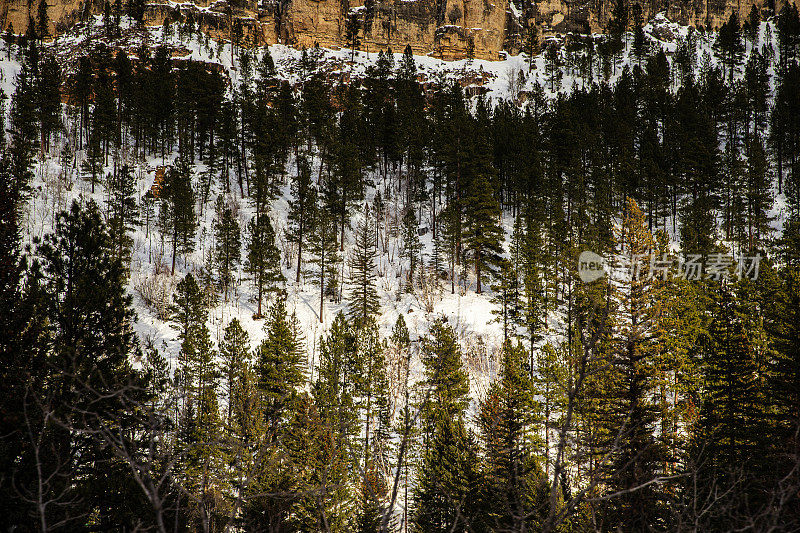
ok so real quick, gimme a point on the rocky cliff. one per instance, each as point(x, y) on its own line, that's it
point(449, 29)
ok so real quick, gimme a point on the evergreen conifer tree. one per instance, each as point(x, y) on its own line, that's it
point(92, 166)
point(234, 351)
point(227, 253)
point(410, 237)
point(48, 100)
point(362, 300)
point(515, 491)
point(445, 497)
point(728, 442)
point(43, 21)
point(302, 208)
point(483, 235)
point(279, 366)
point(729, 45)
point(90, 344)
point(263, 259)
point(325, 254)
point(123, 212)
point(263, 262)
point(179, 214)
point(635, 452)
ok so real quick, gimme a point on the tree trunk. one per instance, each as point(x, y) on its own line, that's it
point(299, 257)
point(478, 271)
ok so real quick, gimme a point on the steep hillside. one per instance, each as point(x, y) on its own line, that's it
point(250, 287)
point(451, 29)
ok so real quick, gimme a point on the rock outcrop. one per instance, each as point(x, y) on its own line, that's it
point(448, 29)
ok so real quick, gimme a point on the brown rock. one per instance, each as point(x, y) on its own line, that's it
point(448, 29)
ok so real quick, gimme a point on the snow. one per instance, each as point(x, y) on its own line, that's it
point(469, 313)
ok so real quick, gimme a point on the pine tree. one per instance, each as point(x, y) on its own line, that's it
point(205, 438)
point(79, 96)
point(698, 148)
point(362, 300)
point(515, 490)
point(199, 383)
point(325, 254)
point(406, 454)
point(179, 214)
point(10, 294)
point(729, 45)
point(483, 235)
point(188, 315)
point(187, 311)
point(284, 472)
point(758, 194)
point(551, 382)
point(335, 393)
point(352, 27)
point(263, 262)
point(104, 112)
point(640, 42)
point(279, 366)
point(728, 441)
point(410, 238)
point(302, 208)
point(123, 211)
point(788, 35)
point(752, 25)
point(635, 453)
point(785, 126)
point(445, 376)
point(92, 166)
point(378, 208)
point(344, 187)
point(43, 21)
point(8, 38)
point(266, 67)
point(532, 44)
point(23, 123)
point(227, 253)
point(374, 401)
point(325, 492)
point(618, 22)
point(507, 297)
point(527, 246)
point(445, 495)
point(445, 499)
point(48, 99)
point(91, 344)
point(234, 352)
point(782, 322)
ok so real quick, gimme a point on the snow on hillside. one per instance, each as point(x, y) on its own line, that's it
point(471, 314)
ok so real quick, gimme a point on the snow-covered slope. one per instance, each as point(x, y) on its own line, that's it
point(471, 314)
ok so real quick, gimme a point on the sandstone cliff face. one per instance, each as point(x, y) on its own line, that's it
point(449, 29)
point(309, 22)
point(477, 26)
point(444, 29)
point(593, 15)
point(395, 24)
point(62, 13)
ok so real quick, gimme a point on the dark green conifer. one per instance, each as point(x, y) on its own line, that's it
point(227, 252)
point(362, 300)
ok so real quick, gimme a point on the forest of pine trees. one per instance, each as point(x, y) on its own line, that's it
point(653, 402)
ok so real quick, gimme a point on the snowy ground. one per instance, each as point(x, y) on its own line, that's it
point(470, 313)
